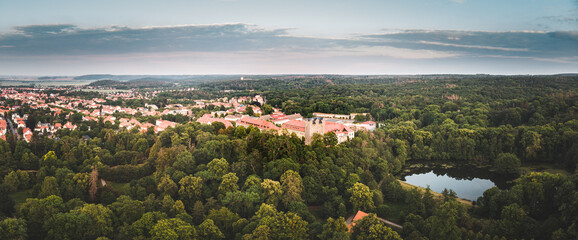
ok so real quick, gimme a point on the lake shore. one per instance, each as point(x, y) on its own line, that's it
point(437, 196)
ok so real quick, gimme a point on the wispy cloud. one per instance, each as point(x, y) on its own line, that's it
point(480, 43)
point(474, 46)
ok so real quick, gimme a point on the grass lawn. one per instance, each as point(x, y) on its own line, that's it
point(544, 167)
point(437, 196)
point(121, 188)
point(20, 197)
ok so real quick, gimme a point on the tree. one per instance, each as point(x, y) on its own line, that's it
point(285, 226)
point(101, 219)
point(6, 202)
point(414, 200)
point(335, 229)
point(218, 167)
point(229, 183)
point(198, 212)
point(242, 202)
point(224, 219)
point(17, 180)
point(444, 221)
point(267, 109)
point(172, 229)
point(127, 210)
point(50, 160)
point(361, 197)
point(185, 162)
point(428, 202)
point(330, 138)
point(514, 223)
point(12, 181)
point(507, 163)
point(69, 226)
point(208, 230)
point(37, 211)
point(272, 192)
point(249, 111)
point(49, 187)
point(370, 227)
point(13, 229)
point(382, 232)
point(93, 183)
point(292, 187)
point(145, 224)
point(167, 186)
point(532, 143)
point(190, 190)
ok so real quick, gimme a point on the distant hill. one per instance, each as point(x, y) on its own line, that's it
point(105, 83)
point(567, 74)
point(136, 83)
point(150, 82)
point(94, 77)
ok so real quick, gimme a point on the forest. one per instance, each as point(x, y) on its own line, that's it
point(199, 181)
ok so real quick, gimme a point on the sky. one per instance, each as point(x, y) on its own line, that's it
point(71, 37)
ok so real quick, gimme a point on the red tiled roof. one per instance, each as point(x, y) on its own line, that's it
point(336, 128)
point(261, 124)
point(207, 119)
point(295, 125)
point(358, 215)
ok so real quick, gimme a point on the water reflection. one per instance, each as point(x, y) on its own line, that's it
point(468, 182)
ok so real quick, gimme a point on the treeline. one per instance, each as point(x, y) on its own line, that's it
point(466, 119)
point(211, 182)
point(208, 182)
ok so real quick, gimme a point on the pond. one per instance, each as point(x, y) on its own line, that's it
point(467, 181)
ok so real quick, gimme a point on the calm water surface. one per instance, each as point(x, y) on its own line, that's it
point(468, 182)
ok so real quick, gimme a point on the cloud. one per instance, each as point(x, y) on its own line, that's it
point(475, 46)
point(244, 46)
point(68, 39)
point(531, 44)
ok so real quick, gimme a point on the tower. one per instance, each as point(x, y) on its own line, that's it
point(313, 126)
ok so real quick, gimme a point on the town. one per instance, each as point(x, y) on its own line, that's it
point(246, 111)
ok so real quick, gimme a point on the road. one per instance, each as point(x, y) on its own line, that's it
point(11, 127)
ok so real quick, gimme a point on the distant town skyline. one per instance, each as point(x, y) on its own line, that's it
point(67, 37)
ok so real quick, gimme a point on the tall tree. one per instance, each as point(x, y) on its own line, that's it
point(93, 183)
point(272, 191)
point(49, 187)
point(69, 226)
point(167, 186)
point(218, 167)
point(190, 190)
point(229, 183)
point(172, 229)
point(13, 229)
point(335, 229)
point(361, 197)
point(208, 230)
point(292, 187)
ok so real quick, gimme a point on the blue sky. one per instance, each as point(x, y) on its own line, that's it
point(71, 37)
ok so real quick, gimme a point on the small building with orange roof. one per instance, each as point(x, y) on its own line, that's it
point(357, 216)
